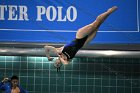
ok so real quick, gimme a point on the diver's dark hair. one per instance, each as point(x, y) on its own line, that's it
point(14, 77)
point(57, 66)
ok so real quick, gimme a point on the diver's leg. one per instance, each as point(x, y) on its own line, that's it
point(92, 28)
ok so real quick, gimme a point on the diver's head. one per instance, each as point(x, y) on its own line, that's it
point(57, 63)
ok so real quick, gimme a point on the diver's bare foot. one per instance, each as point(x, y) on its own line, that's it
point(114, 8)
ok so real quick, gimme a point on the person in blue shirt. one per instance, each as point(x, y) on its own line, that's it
point(11, 85)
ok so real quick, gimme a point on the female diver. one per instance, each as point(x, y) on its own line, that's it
point(83, 36)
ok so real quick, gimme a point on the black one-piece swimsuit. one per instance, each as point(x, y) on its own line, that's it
point(72, 48)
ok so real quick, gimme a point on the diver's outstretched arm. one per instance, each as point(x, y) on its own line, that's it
point(49, 49)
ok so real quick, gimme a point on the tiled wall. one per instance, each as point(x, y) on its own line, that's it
point(82, 75)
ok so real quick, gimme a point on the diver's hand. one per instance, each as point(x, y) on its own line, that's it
point(50, 59)
point(5, 80)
